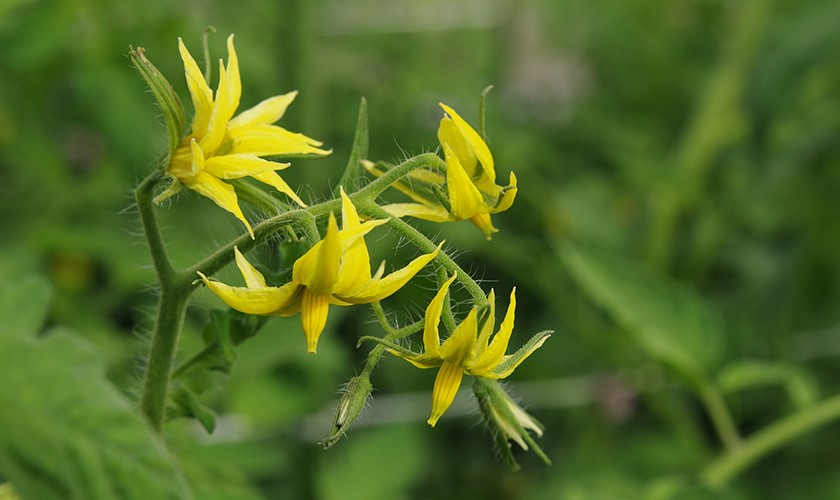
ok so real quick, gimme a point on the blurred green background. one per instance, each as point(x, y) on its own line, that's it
point(698, 139)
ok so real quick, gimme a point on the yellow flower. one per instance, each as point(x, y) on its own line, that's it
point(470, 181)
point(221, 146)
point(336, 271)
point(468, 350)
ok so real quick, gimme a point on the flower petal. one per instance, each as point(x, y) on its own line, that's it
point(486, 329)
point(507, 196)
point(485, 223)
point(202, 96)
point(431, 335)
point(355, 264)
point(479, 147)
point(449, 135)
point(264, 113)
point(318, 268)
point(282, 301)
point(447, 382)
point(465, 198)
point(271, 140)
point(379, 289)
point(492, 356)
point(253, 278)
point(457, 348)
point(314, 308)
point(221, 193)
point(238, 166)
point(420, 211)
point(274, 180)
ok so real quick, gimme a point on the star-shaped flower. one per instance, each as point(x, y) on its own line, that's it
point(468, 350)
point(221, 146)
point(336, 271)
point(470, 181)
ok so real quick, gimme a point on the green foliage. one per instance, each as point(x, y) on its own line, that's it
point(69, 440)
point(671, 323)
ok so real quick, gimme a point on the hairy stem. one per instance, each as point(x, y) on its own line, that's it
point(426, 245)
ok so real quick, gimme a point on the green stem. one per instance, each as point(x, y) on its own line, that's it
point(391, 334)
point(721, 418)
point(425, 244)
point(170, 317)
point(381, 183)
point(448, 317)
point(720, 472)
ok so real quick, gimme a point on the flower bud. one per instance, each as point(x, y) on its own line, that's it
point(167, 99)
point(355, 397)
point(507, 420)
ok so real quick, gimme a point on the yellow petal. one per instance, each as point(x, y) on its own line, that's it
point(494, 353)
point(238, 166)
point(253, 278)
point(313, 315)
point(485, 223)
point(202, 96)
point(457, 348)
point(379, 289)
point(221, 193)
point(318, 268)
point(486, 329)
point(447, 382)
point(507, 197)
point(426, 212)
point(449, 135)
point(283, 301)
point(464, 197)
point(431, 335)
point(234, 81)
point(479, 147)
point(217, 124)
point(271, 140)
point(274, 180)
point(355, 265)
point(264, 113)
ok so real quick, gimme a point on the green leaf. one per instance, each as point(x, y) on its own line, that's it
point(747, 374)
point(361, 142)
point(673, 324)
point(69, 433)
point(482, 104)
point(23, 308)
point(187, 404)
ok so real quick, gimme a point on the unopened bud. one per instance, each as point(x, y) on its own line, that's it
point(508, 421)
point(167, 99)
point(355, 397)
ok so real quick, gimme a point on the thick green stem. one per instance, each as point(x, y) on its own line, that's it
point(720, 472)
point(721, 418)
point(170, 317)
point(172, 305)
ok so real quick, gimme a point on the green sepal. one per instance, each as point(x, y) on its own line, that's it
point(185, 403)
point(353, 401)
point(167, 99)
point(361, 143)
point(516, 358)
point(482, 103)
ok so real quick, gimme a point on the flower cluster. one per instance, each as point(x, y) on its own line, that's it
point(221, 146)
point(335, 270)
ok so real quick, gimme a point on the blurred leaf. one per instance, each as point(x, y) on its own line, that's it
point(73, 435)
point(747, 374)
point(671, 323)
point(23, 307)
point(380, 463)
